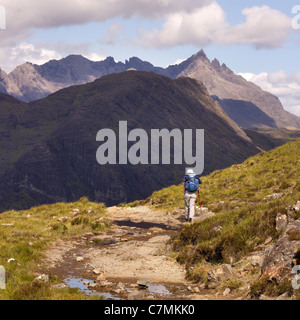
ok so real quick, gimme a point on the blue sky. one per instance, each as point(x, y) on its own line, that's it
point(254, 38)
point(239, 57)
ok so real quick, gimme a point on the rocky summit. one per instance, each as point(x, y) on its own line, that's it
point(237, 95)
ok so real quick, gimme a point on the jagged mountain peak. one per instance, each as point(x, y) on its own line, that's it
point(24, 66)
point(30, 82)
point(110, 60)
point(200, 55)
point(216, 64)
point(137, 63)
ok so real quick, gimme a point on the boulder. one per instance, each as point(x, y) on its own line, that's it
point(293, 211)
point(143, 283)
point(97, 271)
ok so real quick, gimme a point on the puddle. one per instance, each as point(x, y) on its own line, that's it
point(144, 225)
point(79, 283)
point(97, 244)
point(159, 289)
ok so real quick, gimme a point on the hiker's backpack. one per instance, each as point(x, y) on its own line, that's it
point(192, 183)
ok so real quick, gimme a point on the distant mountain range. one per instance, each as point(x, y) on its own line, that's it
point(48, 146)
point(247, 104)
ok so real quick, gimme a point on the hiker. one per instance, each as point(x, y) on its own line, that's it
point(191, 183)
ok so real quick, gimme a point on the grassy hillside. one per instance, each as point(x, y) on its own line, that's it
point(244, 219)
point(25, 234)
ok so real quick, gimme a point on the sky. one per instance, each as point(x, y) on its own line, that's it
point(259, 40)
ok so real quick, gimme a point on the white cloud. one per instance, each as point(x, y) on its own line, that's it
point(285, 87)
point(113, 35)
point(42, 52)
point(94, 57)
point(23, 16)
point(25, 52)
point(264, 27)
point(197, 22)
point(199, 27)
point(178, 61)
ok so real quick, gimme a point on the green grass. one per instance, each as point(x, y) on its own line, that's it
point(236, 196)
point(24, 236)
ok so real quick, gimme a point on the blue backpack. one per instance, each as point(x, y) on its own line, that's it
point(192, 184)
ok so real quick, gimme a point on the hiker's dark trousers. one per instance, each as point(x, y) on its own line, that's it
point(190, 200)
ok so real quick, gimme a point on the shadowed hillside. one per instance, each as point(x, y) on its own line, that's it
point(52, 146)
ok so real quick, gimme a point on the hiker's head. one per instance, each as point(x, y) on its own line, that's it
point(190, 171)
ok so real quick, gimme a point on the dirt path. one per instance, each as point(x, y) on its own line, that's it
point(141, 252)
point(134, 250)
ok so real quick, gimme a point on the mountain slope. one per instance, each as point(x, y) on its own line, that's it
point(225, 84)
point(245, 113)
point(60, 163)
point(8, 86)
point(11, 113)
point(33, 82)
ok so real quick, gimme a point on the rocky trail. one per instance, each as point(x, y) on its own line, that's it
point(129, 261)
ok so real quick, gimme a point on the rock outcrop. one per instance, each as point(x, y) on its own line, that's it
point(285, 253)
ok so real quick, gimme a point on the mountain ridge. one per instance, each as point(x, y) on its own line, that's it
point(30, 82)
point(225, 84)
